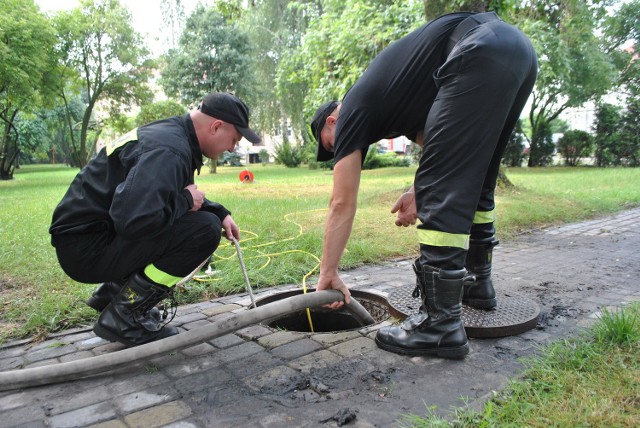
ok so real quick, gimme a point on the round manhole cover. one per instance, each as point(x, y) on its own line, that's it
point(513, 314)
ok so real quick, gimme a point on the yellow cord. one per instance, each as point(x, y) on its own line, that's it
point(269, 256)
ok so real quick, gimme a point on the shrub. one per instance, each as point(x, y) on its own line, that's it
point(607, 135)
point(514, 152)
point(264, 156)
point(574, 145)
point(542, 147)
point(375, 160)
point(287, 155)
point(233, 159)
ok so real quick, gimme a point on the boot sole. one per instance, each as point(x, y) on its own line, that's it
point(457, 352)
point(108, 335)
point(112, 337)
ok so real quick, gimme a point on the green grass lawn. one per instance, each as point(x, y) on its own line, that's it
point(586, 381)
point(281, 217)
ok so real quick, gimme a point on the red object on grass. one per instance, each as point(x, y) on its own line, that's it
point(246, 176)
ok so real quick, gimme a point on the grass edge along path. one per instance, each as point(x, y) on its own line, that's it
point(592, 380)
point(282, 217)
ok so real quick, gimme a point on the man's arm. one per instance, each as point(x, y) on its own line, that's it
point(342, 211)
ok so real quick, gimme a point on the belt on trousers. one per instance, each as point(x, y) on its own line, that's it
point(467, 25)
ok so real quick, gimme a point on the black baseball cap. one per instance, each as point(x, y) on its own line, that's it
point(317, 123)
point(229, 108)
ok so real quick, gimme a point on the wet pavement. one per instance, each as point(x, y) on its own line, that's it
point(261, 376)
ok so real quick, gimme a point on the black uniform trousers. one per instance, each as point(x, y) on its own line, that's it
point(102, 256)
point(482, 88)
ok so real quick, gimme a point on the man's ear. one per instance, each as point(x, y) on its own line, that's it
point(331, 120)
point(214, 126)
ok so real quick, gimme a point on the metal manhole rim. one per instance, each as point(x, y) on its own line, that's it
point(513, 315)
point(357, 294)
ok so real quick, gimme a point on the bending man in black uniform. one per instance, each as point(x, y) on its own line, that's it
point(134, 219)
point(456, 86)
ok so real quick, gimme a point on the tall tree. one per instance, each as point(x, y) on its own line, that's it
point(213, 55)
point(342, 38)
point(573, 68)
point(275, 29)
point(106, 60)
point(173, 17)
point(27, 72)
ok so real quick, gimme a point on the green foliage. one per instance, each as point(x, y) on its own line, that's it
point(607, 134)
point(264, 156)
point(617, 135)
point(233, 159)
point(32, 132)
point(61, 131)
point(617, 327)
point(38, 296)
point(542, 147)
point(374, 160)
point(276, 29)
point(573, 66)
point(514, 153)
point(104, 59)
point(27, 72)
point(288, 155)
point(563, 385)
point(157, 111)
point(630, 134)
point(574, 145)
point(338, 46)
point(213, 56)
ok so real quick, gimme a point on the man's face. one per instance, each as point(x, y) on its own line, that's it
point(328, 133)
point(328, 136)
point(222, 137)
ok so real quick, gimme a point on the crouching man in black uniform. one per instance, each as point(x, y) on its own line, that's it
point(134, 219)
point(456, 86)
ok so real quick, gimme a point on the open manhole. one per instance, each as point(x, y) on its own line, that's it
point(328, 320)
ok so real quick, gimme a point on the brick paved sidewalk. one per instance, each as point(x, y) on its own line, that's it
point(264, 377)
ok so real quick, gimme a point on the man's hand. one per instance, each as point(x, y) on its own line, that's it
point(230, 228)
point(196, 195)
point(405, 206)
point(333, 282)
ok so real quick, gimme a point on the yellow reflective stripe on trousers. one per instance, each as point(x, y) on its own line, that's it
point(160, 277)
point(483, 217)
point(443, 239)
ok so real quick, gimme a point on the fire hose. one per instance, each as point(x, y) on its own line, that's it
point(78, 369)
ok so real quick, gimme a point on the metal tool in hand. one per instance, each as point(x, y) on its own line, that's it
point(244, 272)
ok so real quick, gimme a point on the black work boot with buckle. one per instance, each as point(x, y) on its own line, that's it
point(437, 328)
point(126, 319)
point(479, 292)
point(104, 294)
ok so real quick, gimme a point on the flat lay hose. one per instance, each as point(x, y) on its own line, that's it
point(73, 370)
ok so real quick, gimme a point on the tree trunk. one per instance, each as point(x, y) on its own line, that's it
point(503, 181)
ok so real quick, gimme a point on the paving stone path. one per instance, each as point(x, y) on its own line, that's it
point(266, 377)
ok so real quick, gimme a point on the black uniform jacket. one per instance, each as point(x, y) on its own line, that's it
point(135, 186)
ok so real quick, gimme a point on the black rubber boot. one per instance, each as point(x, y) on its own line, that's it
point(126, 319)
point(104, 294)
point(437, 328)
point(479, 292)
